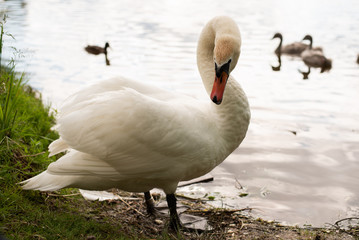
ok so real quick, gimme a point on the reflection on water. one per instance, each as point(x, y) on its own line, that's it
point(322, 63)
point(310, 177)
point(277, 68)
point(107, 61)
point(305, 74)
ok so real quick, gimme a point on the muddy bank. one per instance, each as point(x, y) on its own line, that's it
point(130, 211)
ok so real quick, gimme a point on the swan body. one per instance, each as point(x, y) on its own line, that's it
point(133, 136)
point(314, 57)
point(294, 49)
point(96, 50)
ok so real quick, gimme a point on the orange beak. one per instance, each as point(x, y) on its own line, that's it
point(218, 87)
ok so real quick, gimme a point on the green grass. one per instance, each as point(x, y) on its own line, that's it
point(25, 134)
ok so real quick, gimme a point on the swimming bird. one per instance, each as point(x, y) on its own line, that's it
point(310, 46)
point(96, 50)
point(358, 59)
point(294, 49)
point(314, 57)
point(134, 136)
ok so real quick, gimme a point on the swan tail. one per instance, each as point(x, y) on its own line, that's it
point(57, 146)
point(74, 169)
point(46, 182)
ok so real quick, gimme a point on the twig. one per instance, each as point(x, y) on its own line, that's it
point(210, 179)
point(189, 198)
point(128, 205)
point(239, 184)
point(132, 199)
point(242, 224)
point(221, 210)
point(67, 195)
point(345, 219)
point(33, 155)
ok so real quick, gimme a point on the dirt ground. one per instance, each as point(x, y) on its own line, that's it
point(130, 212)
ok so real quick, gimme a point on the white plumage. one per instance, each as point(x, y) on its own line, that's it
point(133, 136)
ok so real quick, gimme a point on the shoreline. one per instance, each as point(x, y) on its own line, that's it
point(129, 211)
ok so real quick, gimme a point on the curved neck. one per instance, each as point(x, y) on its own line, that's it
point(105, 48)
point(232, 115)
point(310, 43)
point(278, 49)
point(310, 39)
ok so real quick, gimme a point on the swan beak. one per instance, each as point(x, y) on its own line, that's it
point(220, 80)
point(218, 87)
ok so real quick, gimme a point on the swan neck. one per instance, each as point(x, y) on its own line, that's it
point(232, 116)
point(280, 42)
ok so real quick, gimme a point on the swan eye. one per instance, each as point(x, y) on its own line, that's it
point(223, 68)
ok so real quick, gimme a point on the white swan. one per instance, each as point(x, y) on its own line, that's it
point(136, 137)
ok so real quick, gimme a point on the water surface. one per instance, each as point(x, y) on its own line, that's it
point(299, 163)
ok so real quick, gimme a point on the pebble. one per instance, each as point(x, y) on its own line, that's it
point(158, 221)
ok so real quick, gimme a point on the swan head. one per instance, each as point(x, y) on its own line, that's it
point(226, 53)
point(277, 35)
point(310, 39)
point(107, 45)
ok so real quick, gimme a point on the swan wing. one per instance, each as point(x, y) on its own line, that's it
point(313, 58)
point(141, 134)
point(294, 48)
point(115, 84)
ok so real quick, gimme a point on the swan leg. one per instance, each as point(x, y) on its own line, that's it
point(150, 204)
point(175, 222)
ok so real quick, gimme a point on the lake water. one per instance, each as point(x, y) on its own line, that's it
point(299, 163)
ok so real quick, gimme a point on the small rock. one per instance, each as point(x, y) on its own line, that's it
point(156, 196)
point(158, 221)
